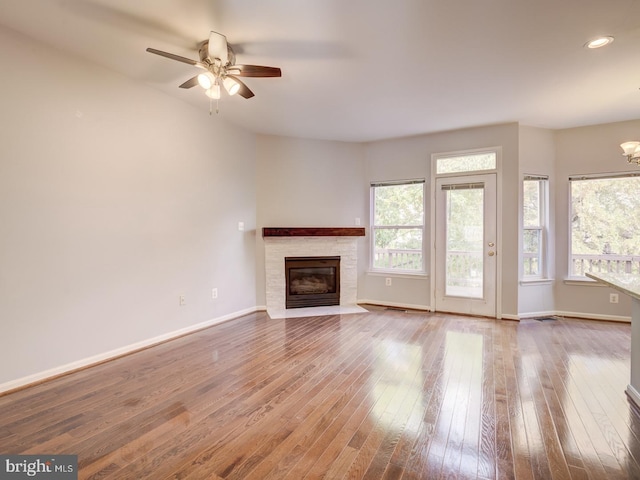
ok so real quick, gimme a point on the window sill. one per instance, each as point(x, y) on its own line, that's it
point(536, 281)
point(581, 281)
point(391, 273)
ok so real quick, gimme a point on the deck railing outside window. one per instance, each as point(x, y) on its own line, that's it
point(581, 264)
point(400, 259)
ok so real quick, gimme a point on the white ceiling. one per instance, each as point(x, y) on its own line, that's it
point(360, 70)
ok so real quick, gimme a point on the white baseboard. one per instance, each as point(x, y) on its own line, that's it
point(594, 316)
point(118, 352)
point(560, 313)
point(509, 316)
point(633, 394)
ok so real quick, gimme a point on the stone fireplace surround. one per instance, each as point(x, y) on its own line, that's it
point(309, 242)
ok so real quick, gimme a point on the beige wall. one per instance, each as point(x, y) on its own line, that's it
point(114, 200)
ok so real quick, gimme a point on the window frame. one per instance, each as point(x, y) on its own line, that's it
point(542, 228)
point(374, 227)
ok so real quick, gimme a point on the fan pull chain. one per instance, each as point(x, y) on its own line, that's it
point(211, 106)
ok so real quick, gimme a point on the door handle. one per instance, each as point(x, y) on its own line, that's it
point(492, 253)
point(491, 244)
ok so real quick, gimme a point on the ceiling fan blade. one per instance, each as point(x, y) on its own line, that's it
point(218, 47)
point(244, 90)
point(172, 56)
point(255, 71)
point(192, 82)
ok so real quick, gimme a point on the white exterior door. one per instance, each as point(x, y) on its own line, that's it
point(465, 245)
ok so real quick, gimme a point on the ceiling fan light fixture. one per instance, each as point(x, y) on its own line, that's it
point(630, 148)
point(213, 92)
point(631, 151)
point(231, 86)
point(599, 42)
point(206, 80)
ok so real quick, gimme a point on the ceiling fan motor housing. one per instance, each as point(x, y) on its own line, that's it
point(203, 52)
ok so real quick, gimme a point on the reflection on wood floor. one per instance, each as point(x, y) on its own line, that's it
point(383, 394)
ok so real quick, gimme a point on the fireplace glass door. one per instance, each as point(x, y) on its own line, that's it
point(312, 281)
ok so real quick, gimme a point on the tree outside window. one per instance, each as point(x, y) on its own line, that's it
point(605, 224)
point(398, 226)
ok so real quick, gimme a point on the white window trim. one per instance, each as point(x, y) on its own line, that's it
point(543, 227)
point(531, 282)
point(396, 273)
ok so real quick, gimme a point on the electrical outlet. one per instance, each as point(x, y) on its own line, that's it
point(241, 226)
point(387, 281)
point(357, 222)
point(214, 293)
point(183, 300)
point(613, 298)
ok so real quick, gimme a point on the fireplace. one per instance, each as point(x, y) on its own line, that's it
point(283, 242)
point(312, 281)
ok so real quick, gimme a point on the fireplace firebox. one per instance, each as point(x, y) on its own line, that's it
point(312, 281)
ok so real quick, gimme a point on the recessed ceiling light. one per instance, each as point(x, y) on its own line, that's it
point(599, 42)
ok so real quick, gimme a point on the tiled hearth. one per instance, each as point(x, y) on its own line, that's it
point(279, 247)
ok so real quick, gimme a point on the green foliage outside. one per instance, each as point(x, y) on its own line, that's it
point(531, 206)
point(398, 225)
point(605, 216)
point(467, 163)
point(465, 220)
point(532, 222)
point(605, 220)
point(465, 237)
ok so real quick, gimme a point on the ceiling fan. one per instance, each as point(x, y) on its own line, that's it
point(218, 61)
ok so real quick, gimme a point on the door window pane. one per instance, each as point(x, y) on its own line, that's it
point(464, 270)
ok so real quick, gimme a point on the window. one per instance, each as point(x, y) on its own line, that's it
point(605, 224)
point(397, 223)
point(534, 233)
point(471, 162)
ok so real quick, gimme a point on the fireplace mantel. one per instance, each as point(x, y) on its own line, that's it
point(313, 232)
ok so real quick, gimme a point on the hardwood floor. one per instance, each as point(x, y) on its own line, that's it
point(380, 395)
